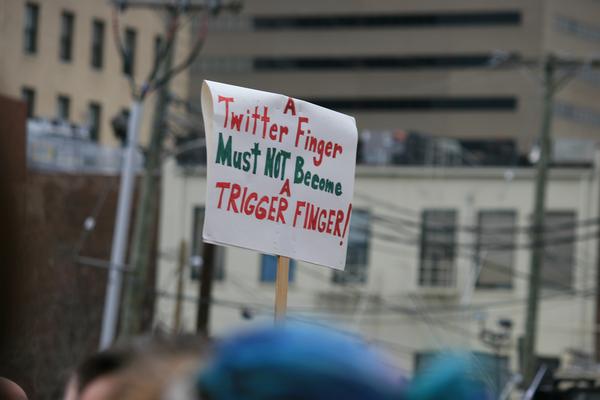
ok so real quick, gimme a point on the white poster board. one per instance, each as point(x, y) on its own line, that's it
point(280, 174)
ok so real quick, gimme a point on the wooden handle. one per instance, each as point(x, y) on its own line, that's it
point(281, 287)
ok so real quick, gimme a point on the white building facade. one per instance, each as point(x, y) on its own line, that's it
point(436, 255)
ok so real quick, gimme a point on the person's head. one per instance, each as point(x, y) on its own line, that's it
point(11, 391)
point(97, 376)
point(303, 362)
point(159, 377)
point(142, 365)
point(299, 362)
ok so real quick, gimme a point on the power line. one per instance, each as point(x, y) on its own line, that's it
point(420, 224)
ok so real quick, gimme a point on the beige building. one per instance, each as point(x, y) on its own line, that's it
point(407, 288)
point(60, 57)
point(432, 66)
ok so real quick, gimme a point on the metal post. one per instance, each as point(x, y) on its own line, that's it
point(537, 235)
point(119, 244)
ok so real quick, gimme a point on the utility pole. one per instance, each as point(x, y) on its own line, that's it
point(596, 325)
point(132, 317)
point(537, 235)
point(551, 84)
point(205, 289)
point(181, 262)
point(135, 291)
point(119, 244)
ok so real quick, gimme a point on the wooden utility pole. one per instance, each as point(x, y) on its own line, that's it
point(181, 262)
point(596, 325)
point(551, 84)
point(137, 286)
point(537, 234)
point(135, 290)
point(205, 289)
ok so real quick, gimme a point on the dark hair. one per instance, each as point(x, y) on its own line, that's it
point(126, 353)
point(100, 364)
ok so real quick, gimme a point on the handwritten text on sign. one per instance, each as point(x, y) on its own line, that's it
point(280, 174)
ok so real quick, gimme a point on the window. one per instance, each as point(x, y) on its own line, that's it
point(578, 114)
point(32, 12)
point(129, 56)
point(374, 62)
point(559, 251)
point(268, 269)
point(63, 105)
point(198, 247)
point(97, 54)
point(357, 256)
point(28, 96)
point(476, 18)
point(474, 103)
point(438, 235)
point(95, 116)
point(495, 228)
point(67, 25)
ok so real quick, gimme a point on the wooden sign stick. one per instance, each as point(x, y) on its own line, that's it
point(281, 287)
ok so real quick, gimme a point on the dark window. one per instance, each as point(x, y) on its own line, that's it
point(97, 54)
point(357, 256)
point(129, 56)
point(500, 103)
point(438, 235)
point(198, 247)
point(474, 18)
point(67, 27)
point(95, 117)
point(495, 248)
point(559, 249)
point(63, 107)
point(366, 63)
point(32, 12)
point(28, 96)
point(268, 269)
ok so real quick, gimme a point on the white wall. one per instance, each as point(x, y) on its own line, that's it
point(383, 309)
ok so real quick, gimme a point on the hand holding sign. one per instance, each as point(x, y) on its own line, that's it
point(280, 174)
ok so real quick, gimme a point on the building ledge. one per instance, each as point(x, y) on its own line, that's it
point(443, 173)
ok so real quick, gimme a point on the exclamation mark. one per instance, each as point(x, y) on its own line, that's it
point(346, 223)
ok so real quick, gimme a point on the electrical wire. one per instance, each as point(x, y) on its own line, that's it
point(202, 33)
point(165, 47)
point(420, 224)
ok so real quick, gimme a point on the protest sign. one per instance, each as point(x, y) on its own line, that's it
point(280, 174)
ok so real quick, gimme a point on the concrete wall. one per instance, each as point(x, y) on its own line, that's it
point(233, 43)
